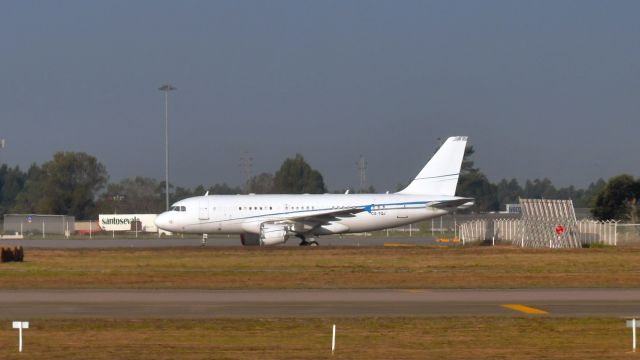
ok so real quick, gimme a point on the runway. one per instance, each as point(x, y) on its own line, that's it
point(212, 242)
point(198, 304)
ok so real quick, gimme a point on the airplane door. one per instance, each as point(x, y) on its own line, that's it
point(203, 211)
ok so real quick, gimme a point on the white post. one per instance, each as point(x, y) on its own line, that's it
point(431, 227)
point(90, 228)
point(43, 229)
point(20, 325)
point(615, 234)
point(333, 339)
point(493, 240)
point(633, 327)
point(67, 234)
point(440, 225)
point(455, 228)
point(409, 230)
point(21, 228)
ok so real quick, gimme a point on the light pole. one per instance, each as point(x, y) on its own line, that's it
point(166, 88)
point(2, 143)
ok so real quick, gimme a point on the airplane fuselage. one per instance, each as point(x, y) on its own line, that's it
point(235, 214)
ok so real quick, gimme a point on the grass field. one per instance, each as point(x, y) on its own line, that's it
point(357, 338)
point(324, 267)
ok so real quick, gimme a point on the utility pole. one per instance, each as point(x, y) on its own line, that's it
point(166, 88)
point(2, 144)
point(361, 165)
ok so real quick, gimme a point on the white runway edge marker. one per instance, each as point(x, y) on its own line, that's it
point(20, 325)
point(333, 339)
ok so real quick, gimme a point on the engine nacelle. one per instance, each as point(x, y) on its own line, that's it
point(270, 234)
point(248, 239)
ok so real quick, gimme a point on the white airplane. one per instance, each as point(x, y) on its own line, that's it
point(273, 219)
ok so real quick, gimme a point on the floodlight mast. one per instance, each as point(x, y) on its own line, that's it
point(166, 88)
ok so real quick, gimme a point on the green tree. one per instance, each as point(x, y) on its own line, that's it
point(539, 189)
point(224, 189)
point(295, 176)
point(132, 195)
point(473, 183)
point(618, 199)
point(591, 193)
point(508, 192)
point(28, 199)
point(70, 183)
point(12, 182)
point(261, 184)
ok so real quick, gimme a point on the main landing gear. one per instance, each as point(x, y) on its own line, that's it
point(305, 242)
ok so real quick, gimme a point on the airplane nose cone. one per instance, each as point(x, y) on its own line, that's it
point(162, 221)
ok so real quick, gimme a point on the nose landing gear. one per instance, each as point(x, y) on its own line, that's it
point(204, 239)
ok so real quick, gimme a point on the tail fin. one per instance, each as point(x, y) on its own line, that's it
point(440, 175)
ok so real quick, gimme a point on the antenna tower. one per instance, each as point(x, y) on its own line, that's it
point(246, 163)
point(362, 170)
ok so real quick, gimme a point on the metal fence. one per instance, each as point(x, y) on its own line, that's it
point(627, 234)
point(598, 232)
point(588, 232)
point(21, 224)
point(473, 232)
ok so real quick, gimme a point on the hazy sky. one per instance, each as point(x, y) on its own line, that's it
point(542, 88)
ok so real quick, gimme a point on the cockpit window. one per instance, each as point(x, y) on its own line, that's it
point(182, 208)
point(174, 208)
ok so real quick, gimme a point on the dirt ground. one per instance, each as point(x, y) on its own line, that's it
point(278, 267)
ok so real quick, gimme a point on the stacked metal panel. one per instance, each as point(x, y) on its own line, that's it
point(548, 223)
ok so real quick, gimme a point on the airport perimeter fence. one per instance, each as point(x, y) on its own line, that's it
point(589, 232)
point(31, 224)
point(628, 234)
point(473, 232)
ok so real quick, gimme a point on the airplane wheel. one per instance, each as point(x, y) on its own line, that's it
point(313, 243)
point(304, 243)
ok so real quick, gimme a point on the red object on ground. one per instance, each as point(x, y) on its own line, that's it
point(559, 230)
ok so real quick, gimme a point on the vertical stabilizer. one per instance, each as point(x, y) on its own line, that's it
point(440, 175)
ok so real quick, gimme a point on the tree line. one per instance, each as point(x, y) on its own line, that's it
point(76, 183)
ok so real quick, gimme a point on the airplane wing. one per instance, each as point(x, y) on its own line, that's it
point(447, 204)
point(310, 219)
point(325, 215)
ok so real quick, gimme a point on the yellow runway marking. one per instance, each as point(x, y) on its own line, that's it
point(523, 309)
point(400, 245)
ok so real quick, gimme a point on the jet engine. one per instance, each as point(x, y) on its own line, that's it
point(270, 234)
point(249, 239)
